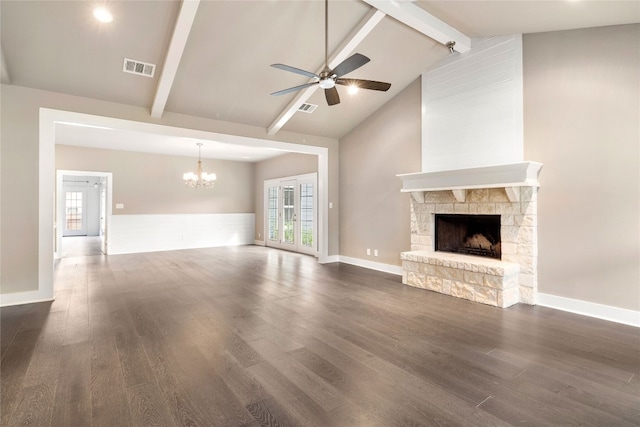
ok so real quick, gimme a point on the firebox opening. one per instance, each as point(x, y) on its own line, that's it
point(468, 234)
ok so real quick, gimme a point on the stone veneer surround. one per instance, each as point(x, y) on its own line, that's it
point(498, 283)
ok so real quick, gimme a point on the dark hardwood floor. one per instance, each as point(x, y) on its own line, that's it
point(254, 336)
point(75, 246)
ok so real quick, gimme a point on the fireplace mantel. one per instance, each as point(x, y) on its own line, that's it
point(507, 176)
point(521, 174)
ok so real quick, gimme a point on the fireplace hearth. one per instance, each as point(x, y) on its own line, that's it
point(477, 235)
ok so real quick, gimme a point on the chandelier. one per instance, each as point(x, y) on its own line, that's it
point(199, 179)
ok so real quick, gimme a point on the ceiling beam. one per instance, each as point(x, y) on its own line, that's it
point(345, 49)
point(419, 19)
point(5, 78)
point(181, 32)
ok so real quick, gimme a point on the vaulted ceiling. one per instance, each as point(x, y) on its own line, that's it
point(213, 57)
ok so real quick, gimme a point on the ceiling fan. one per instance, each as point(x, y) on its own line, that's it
point(328, 78)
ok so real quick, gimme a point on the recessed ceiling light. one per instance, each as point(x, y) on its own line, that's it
point(102, 14)
point(353, 89)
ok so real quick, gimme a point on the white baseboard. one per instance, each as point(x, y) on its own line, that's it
point(591, 309)
point(329, 259)
point(372, 265)
point(20, 298)
point(258, 242)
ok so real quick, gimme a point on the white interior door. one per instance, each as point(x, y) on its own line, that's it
point(291, 213)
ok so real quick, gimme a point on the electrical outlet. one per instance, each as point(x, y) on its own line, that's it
point(368, 251)
point(375, 252)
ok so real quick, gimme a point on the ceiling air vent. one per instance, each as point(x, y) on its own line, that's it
point(307, 108)
point(140, 68)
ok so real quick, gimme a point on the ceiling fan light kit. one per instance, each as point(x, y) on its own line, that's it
point(328, 79)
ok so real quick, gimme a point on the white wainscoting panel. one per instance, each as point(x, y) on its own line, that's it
point(151, 233)
point(472, 107)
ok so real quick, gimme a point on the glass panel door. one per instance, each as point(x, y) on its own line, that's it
point(288, 209)
point(272, 214)
point(307, 215)
point(290, 214)
point(75, 221)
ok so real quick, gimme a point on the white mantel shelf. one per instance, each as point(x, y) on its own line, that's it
point(521, 174)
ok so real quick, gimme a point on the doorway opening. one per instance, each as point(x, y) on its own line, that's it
point(83, 213)
point(48, 228)
point(290, 206)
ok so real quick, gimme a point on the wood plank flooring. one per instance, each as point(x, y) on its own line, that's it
point(251, 336)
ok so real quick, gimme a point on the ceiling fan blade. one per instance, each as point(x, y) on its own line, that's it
point(293, 89)
point(353, 62)
point(332, 96)
point(365, 84)
point(295, 70)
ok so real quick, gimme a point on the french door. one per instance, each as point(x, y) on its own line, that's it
point(291, 213)
point(75, 221)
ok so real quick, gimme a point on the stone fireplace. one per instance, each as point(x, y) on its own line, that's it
point(474, 205)
point(476, 239)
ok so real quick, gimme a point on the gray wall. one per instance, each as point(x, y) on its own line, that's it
point(19, 142)
point(152, 183)
point(582, 92)
point(279, 167)
point(581, 105)
point(373, 212)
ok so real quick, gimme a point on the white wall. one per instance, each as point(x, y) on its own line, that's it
point(472, 107)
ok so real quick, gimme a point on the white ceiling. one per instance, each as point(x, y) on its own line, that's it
point(224, 71)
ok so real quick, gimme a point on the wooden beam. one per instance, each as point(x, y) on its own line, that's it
point(419, 19)
point(344, 50)
point(181, 32)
